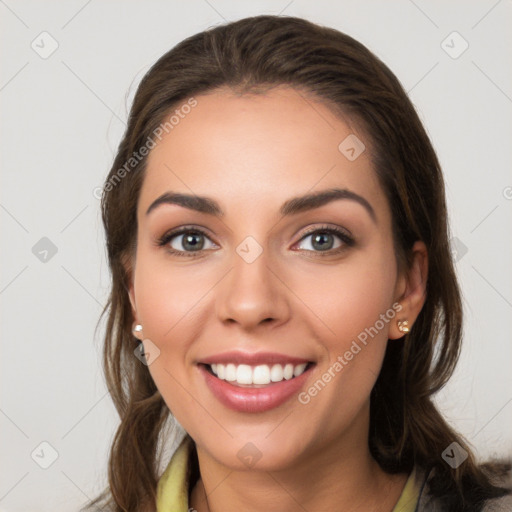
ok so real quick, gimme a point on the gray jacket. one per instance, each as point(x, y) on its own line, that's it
point(427, 503)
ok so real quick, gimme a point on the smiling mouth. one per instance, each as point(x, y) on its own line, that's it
point(261, 375)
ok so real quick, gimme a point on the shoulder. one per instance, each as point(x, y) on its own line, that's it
point(427, 502)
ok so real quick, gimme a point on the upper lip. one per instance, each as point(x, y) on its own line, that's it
point(252, 359)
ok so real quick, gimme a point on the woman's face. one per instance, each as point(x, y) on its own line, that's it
point(265, 288)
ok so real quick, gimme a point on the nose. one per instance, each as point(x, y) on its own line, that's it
point(253, 294)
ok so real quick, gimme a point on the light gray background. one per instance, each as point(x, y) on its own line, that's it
point(62, 118)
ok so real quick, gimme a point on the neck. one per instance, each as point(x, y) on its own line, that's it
point(341, 473)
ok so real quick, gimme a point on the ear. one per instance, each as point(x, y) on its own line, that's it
point(131, 296)
point(411, 289)
point(129, 271)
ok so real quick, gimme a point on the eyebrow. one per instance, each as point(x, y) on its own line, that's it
point(290, 207)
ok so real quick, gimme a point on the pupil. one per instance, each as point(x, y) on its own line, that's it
point(321, 239)
point(189, 241)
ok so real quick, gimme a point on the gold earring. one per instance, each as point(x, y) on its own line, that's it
point(403, 326)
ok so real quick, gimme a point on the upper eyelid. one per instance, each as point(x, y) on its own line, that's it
point(186, 228)
point(171, 234)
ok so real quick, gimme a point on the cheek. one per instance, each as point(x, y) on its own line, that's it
point(170, 303)
point(334, 304)
point(349, 299)
point(355, 302)
point(166, 296)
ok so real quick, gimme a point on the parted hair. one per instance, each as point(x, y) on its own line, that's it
point(251, 56)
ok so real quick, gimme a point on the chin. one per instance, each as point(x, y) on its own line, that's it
point(258, 453)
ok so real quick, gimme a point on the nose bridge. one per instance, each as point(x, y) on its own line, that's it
point(252, 293)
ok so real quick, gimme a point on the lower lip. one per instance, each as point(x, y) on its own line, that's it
point(242, 399)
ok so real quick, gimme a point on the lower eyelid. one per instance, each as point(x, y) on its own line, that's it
point(346, 241)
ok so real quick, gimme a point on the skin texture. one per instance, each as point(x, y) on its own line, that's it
point(251, 153)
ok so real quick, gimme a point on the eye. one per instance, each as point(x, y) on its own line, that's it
point(323, 240)
point(185, 241)
point(190, 242)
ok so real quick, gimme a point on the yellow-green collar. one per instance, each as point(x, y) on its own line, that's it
point(410, 494)
point(172, 490)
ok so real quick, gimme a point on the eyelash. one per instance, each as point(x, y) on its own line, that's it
point(347, 240)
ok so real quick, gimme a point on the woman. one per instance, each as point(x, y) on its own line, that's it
point(278, 240)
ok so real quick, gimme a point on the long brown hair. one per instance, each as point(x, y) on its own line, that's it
point(253, 55)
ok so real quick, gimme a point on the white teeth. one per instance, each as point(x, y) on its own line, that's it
point(261, 374)
point(288, 371)
point(230, 372)
point(299, 369)
point(276, 373)
point(244, 374)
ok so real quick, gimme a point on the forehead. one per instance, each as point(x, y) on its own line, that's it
point(254, 151)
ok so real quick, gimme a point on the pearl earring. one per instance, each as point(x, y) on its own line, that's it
point(137, 329)
point(403, 326)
